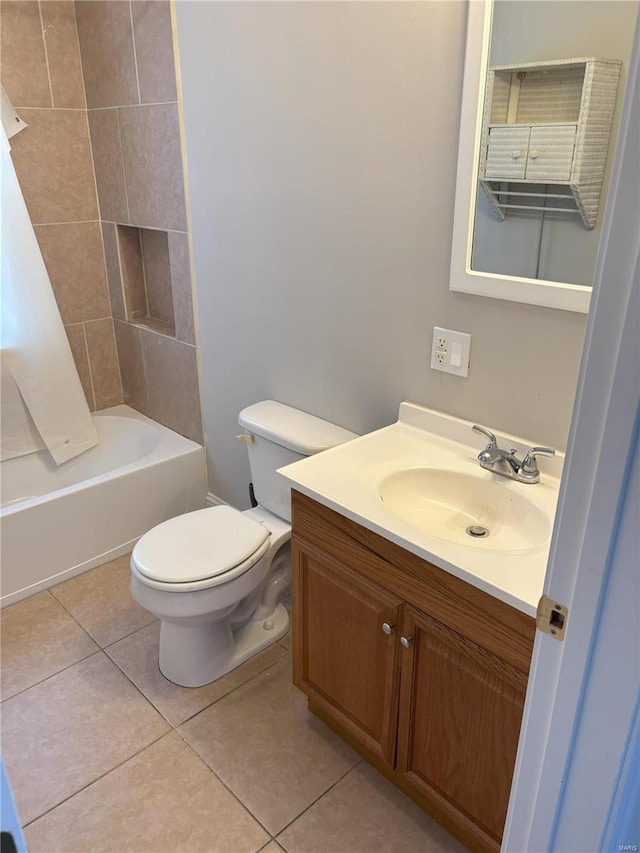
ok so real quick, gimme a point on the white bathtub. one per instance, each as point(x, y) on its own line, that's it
point(57, 522)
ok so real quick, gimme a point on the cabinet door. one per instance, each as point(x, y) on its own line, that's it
point(551, 153)
point(343, 659)
point(507, 153)
point(460, 714)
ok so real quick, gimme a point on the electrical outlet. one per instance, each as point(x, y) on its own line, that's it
point(450, 351)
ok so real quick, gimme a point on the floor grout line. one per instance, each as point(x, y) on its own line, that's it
point(146, 698)
point(101, 648)
point(224, 785)
point(176, 728)
point(273, 836)
point(225, 695)
point(75, 619)
point(173, 728)
point(267, 843)
point(319, 797)
point(139, 689)
point(98, 778)
point(130, 634)
point(52, 675)
point(173, 725)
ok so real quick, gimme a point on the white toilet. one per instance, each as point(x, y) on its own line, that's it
point(214, 577)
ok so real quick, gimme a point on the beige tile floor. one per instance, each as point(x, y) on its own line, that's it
point(104, 754)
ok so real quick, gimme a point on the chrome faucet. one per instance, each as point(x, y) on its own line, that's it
point(506, 463)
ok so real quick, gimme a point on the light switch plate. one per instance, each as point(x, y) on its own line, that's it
point(450, 351)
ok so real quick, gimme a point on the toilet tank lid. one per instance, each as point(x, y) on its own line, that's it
point(288, 427)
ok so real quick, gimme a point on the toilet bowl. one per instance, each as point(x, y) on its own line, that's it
point(210, 577)
point(215, 577)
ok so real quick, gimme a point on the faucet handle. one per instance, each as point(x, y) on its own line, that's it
point(529, 467)
point(493, 441)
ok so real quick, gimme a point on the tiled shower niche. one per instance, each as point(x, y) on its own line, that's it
point(145, 268)
point(148, 272)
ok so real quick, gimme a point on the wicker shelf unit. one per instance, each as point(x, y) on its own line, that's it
point(548, 123)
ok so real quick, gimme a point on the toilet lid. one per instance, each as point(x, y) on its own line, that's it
point(198, 545)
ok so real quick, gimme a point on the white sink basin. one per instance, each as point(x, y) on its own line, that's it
point(464, 509)
point(418, 483)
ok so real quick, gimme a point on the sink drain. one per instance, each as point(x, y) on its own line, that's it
point(477, 531)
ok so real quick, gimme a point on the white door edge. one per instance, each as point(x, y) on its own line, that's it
point(599, 443)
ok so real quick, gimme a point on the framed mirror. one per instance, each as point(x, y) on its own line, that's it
point(522, 231)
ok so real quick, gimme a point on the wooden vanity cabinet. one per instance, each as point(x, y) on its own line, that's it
point(421, 672)
point(348, 660)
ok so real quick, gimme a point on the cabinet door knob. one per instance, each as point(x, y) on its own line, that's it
point(406, 641)
point(387, 629)
point(516, 154)
point(533, 155)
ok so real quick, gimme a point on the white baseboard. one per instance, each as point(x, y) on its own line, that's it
point(67, 574)
point(214, 500)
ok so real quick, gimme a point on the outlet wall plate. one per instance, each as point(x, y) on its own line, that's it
point(450, 351)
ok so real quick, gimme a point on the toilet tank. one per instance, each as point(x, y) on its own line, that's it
point(281, 435)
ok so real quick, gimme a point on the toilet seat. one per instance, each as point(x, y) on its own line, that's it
point(199, 549)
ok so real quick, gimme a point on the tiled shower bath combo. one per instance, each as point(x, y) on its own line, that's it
point(100, 166)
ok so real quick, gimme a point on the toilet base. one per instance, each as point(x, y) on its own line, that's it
point(195, 655)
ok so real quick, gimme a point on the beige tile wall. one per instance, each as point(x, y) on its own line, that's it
point(130, 80)
point(87, 163)
point(42, 74)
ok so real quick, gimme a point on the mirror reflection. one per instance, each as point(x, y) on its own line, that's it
point(554, 90)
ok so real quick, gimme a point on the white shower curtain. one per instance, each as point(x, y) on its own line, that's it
point(43, 403)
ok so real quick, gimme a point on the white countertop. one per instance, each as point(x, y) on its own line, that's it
point(347, 477)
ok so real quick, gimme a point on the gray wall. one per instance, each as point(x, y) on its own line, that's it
point(533, 31)
point(322, 142)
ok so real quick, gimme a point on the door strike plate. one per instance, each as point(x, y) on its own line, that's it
point(551, 617)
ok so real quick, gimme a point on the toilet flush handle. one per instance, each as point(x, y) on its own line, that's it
point(245, 437)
